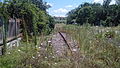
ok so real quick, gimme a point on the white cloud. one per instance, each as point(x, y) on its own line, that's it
point(50, 4)
point(101, 1)
point(68, 6)
point(59, 15)
point(112, 2)
point(60, 10)
point(98, 1)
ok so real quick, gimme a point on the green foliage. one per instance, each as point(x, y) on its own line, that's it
point(106, 3)
point(95, 14)
point(32, 14)
point(31, 11)
point(27, 57)
point(109, 34)
point(85, 15)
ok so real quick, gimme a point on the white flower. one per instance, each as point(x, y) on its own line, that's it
point(37, 52)
point(107, 31)
point(39, 47)
point(41, 44)
point(39, 55)
point(8, 52)
point(19, 50)
point(55, 63)
point(51, 53)
point(53, 56)
point(33, 57)
point(74, 50)
point(116, 32)
point(96, 26)
point(90, 41)
point(49, 41)
point(57, 51)
point(45, 57)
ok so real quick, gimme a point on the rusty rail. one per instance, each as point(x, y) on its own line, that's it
point(66, 42)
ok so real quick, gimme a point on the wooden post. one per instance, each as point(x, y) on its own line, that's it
point(4, 35)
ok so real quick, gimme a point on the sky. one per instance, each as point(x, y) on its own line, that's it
point(61, 7)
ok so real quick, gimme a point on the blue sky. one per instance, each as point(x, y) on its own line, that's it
point(61, 7)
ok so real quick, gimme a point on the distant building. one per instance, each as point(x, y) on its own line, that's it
point(60, 19)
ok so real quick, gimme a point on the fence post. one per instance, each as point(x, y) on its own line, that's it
point(4, 34)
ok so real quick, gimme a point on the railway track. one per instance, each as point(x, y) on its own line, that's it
point(62, 42)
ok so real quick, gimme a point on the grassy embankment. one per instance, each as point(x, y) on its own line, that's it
point(99, 47)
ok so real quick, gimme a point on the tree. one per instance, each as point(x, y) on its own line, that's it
point(95, 14)
point(31, 15)
point(85, 15)
point(106, 3)
point(118, 2)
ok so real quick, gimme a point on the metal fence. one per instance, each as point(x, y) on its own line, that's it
point(13, 29)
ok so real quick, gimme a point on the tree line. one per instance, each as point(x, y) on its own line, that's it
point(96, 14)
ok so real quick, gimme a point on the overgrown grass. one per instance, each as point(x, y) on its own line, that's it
point(99, 46)
point(30, 56)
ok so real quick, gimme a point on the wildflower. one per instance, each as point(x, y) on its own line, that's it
point(53, 57)
point(90, 41)
point(57, 51)
point(45, 57)
point(107, 31)
point(37, 52)
point(33, 57)
point(74, 50)
point(116, 32)
point(39, 47)
point(39, 55)
point(96, 26)
point(55, 63)
point(41, 44)
point(19, 50)
point(8, 52)
point(75, 23)
point(51, 53)
point(49, 41)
